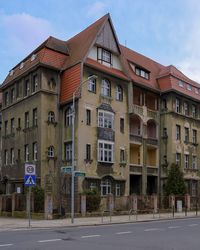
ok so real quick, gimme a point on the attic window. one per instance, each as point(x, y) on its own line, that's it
point(181, 84)
point(11, 72)
point(196, 90)
point(189, 87)
point(33, 57)
point(141, 72)
point(21, 65)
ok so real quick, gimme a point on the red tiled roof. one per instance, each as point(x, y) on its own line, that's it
point(146, 63)
point(114, 72)
point(70, 80)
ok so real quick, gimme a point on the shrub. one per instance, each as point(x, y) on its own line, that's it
point(38, 193)
point(93, 200)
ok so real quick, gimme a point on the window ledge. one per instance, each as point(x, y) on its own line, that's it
point(105, 163)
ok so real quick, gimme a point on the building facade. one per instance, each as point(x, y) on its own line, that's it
point(133, 118)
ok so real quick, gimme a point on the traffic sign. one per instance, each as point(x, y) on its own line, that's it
point(79, 174)
point(29, 180)
point(30, 169)
point(67, 170)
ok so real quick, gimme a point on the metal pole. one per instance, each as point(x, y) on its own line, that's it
point(73, 158)
point(29, 206)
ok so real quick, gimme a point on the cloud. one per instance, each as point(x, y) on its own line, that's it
point(96, 10)
point(23, 31)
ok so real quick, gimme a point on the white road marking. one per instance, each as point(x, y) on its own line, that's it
point(193, 225)
point(127, 232)
point(43, 241)
point(90, 236)
point(173, 227)
point(6, 245)
point(153, 229)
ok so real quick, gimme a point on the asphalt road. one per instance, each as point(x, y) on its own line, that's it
point(180, 234)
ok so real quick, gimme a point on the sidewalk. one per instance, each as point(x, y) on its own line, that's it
point(7, 224)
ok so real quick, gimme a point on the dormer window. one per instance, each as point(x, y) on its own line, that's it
point(33, 57)
point(189, 87)
point(11, 72)
point(196, 91)
point(104, 55)
point(21, 65)
point(141, 72)
point(181, 84)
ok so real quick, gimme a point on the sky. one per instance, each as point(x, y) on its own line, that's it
point(167, 31)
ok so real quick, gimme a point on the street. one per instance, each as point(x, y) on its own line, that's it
point(180, 234)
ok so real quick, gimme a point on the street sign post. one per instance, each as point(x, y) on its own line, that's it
point(29, 181)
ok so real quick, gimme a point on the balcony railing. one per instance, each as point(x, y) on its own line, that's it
point(152, 114)
point(152, 141)
point(152, 170)
point(138, 110)
point(135, 168)
point(135, 138)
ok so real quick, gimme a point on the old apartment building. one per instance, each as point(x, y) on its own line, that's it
point(134, 117)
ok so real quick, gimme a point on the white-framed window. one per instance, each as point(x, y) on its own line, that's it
point(105, 151)
point(69, 116)
point(93, 186)
point(26, 125)
point(26, 153)
point(105, 119)
point(34, 117)
point(117, 189)
point(194, 136)
point(26, 87)
point(105, 187)
point(12, 156)
point(12, 125)
point(178, 108)
point(106, 56)
point(178, 132)
point(51, 117)
point(194, 111)
point(181, 83)
point(194, 162)
point(92, 85)
point(68, 151)
point(51, 152)
point(119, 93)
point(186, 161)
point(105, 87)
point(6, 157)
point(35, 151)
point(189, 87)
point(178, 159)
point(35, 83)
point(186, 134)
point(186, 108)
point(141, 72)
point(122, 155)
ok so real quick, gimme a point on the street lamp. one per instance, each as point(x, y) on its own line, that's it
point(73, 143)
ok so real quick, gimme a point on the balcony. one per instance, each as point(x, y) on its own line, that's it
point(135, 168)
point(105, 134)
point(135, 138)
point(152, 170)
point(138, 110)
point(152, 114)
point(152, 141)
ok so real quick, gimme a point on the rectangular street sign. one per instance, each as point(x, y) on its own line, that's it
point(66, 170)
point(29, 180)
point(79, 174)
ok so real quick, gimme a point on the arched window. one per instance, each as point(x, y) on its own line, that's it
point(51, 117)
point(105, 187)
point(68, 116)
point(105, 88)
point(119, 93)
point(51, 152)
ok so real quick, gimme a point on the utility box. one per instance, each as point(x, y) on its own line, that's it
point(179, 206)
